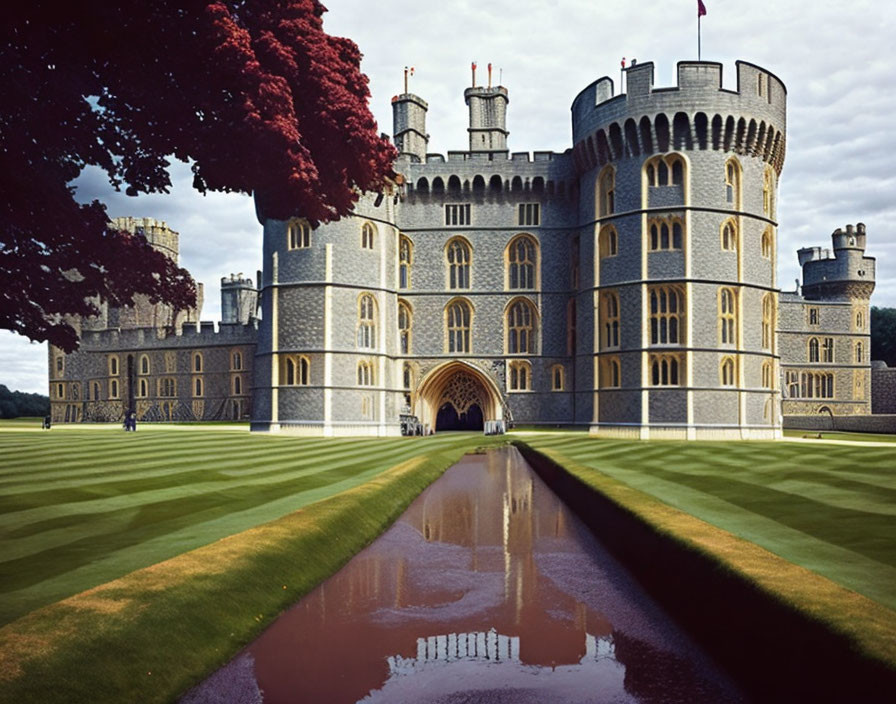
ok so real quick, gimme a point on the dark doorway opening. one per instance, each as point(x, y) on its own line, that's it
point(448, 419)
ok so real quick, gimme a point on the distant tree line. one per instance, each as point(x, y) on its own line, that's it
point(17, 403)
point(883, 334)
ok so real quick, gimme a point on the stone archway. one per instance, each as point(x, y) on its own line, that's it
point(468, 392)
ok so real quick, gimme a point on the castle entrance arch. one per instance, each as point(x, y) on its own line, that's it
point(457, 396)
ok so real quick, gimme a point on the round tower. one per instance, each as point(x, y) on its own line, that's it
point(845, 274)
point(678, 197)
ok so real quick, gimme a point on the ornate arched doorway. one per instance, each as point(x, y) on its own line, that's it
point(457, 396)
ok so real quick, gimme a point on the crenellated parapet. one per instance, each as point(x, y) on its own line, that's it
point(695, 114)
point(205, 334)
point(843, 272)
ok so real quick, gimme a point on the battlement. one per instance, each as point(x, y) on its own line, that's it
point(156, 232)
point(841, 273)
point(205, 334)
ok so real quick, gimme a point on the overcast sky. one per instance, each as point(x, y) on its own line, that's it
point(834, 56)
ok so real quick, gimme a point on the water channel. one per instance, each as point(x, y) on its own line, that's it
point(487, 589)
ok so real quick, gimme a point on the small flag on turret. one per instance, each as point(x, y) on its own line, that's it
point(701, 8)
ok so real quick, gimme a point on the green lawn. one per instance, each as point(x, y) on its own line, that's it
point(827, 507)
point(839, 435)
point(80, 506)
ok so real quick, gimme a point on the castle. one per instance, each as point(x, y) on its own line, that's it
point(627, 285)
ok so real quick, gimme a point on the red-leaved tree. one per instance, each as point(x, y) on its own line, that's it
point(254, 94)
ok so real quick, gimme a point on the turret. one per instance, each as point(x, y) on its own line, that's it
point(239, 300)
point(488, 116)
point(844, 274)
point(409, 126)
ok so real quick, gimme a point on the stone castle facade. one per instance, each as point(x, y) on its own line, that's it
point(627, 285)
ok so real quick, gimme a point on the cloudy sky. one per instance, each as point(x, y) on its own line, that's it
point(835, 57)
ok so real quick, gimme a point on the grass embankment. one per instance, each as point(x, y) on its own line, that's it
point(828, 511)
point(88, 506)
point(840, 435)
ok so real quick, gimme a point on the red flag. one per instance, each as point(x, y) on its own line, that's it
point(701, 8)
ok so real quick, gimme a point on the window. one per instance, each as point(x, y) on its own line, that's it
point(609, 316)
point(609, 373)
point(296, 370)
point(827, 350)
point(814, 356)
point(457, 214)
point(60, 365)
point(813, 316)
point(726, 371)
point(298, 234)
point(197, 362)
point(407, 376)
point(405, 259)
point(113, 388)
point(816, 385)
point(793, 384)
point(729, 236)
point(521, 256)
point(608, 242)
point(170, 361)
point(404, 327)
point(368, 231)
point(607, 192)
point(113, 366)
point(236, 361)
point(860, 320)
point(766, 243)
point(860, 355)
point(365, 373)
point(727, 316)
point(143, 388)
point(768, 192)
point(767, 376)
point(768, 320)
point(459, 255)
point(167, 387)
point(521, 318)
point(76, 391)
point(665, 170)
point(237, 385)
point(144, 364)
point(366, 321)
point(458, 322)
point(732, 183)
point(665, 233)
point(760, 85)
point(519, 376)
point(664, 370)
point(666, 315)
point(197, 386)
point(558, 377)
point(96, 391)
point(60, 390)
point(529, 214)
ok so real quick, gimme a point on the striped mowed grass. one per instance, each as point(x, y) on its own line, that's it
point(82, 506)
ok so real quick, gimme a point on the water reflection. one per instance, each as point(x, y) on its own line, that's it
point(486, 584)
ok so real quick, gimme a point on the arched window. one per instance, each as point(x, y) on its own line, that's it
point(814, 355)
point(197, 386)
point(827, 350)
point(298, 234)
point(608, 242)
point(727, 316)
point(368, 232)
point(860, 320)
point(236, 360)
point(768, 379)
point(60, 366)
point(558, 377)
point(405, 322)
point(296, 370)
point(237, 385)
point(113, 388)
point(519, 376)
point(144, 364)
point(766, 243)
point(665, 233)
point(665, 370)
point(366, 321)
point(521, 320)
point(365, 373)
point(609, 373)
point(732, 183)
point(458, 324)
point(197, 362)
point(768, 321)
point(816, 385)
point(768, 192)
point(860, 353)
point(143, 388)
point(665, 170)
point(521, 262)
point(666, 315)
point(407, 376)
point(609, 315)
point(167, 387)
point(607, 192)
point(726, 371)
point(459, 257)
point(405, 259)
point(729, 235)
point(113, 366)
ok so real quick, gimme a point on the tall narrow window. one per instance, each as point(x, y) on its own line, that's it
point(236, 361)
point(860, 353)
point(609, 373)
point(197, 362)
point(296, 370)
point(768, 192)
point(458, 319)
point(407, 376)
point(667, 170)
point(768, 380)
point(404, 327)
point(766, 243)
point(113, 366)
point(813, 316)
point(167, 387)
point(521, 318)
point(366, 322)
point(726, 371)
point(607, 194)
point(609, 313)
point(457, 214)
point(405, 255)
point(113, 388)
point(96, 392)
point(557, 377)
point(143, 388)
point(144, 364)
point(732, 183)
point(520, 376)
point(666, 315)
point(368, 234)
point(608, 242)
point(60, 366)
point(727, 316)
point(521, 263)
point(237, 385)
point(459, 257)
point(827, 350)
point(298, 234)
point(860, 320)
point(529, 215)
point(729, 236)
point(197, 386)
point(365, 373)
point(665, 370)
point(768, 320)
point(814, 355)
point(665, 233)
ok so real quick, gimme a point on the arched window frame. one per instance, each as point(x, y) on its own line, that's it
point(365, 373)
point(859, 353)
point(666, 315)
point(113, 388)
point(728, 371)
point(405, 327)
point(407, 376)
point(142, 388)
point(197, 362)
point(606, 191)
point(665, 170)
point(114, 366)
point(405, 261)
point(236, 383)
point(167, 387)
point(768, 192)
point(768, 321)
point(368, 235)
point(728, 235)
point(521, 327)
point(607, 242)
point(609, 320)
point(665, 233)
point(296, 370)
point(298, 234)
point(860, 320)
point(666, 370)
point(236, 360)
point(827, 350)
point(733, 181)
point(144, 365)
point(519, 375)
point(609, 373)
point(458, 264)
point(521, 263)
point(814, 350)
point(727, 306)
point(768, 378)
point(767, 243)
point(367, 321)
point(458, 326)
point(197, 386)
point(816, 385)
point(558, 377)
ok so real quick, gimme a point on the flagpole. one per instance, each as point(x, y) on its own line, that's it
point(698, 35)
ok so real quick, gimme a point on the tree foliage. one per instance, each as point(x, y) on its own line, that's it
point(883, 334)
point(14, 404)
point(254, 94)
